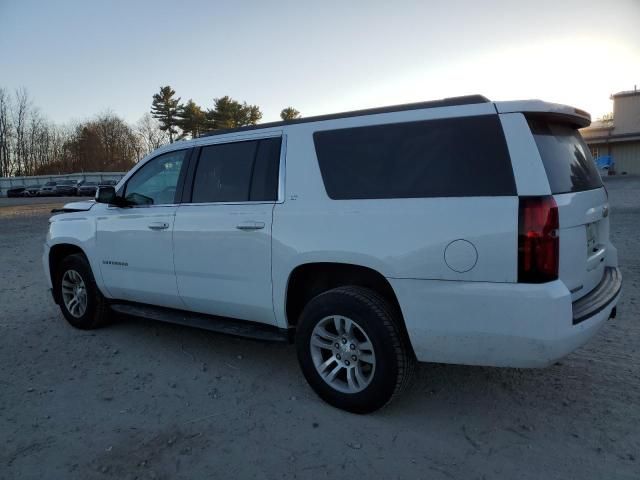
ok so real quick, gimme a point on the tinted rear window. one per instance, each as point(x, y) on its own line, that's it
point(224, 173)
point(238, 172)
point(566, 158)
point(436, 158)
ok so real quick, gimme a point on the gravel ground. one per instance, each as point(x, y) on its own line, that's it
point(32, 206)
point(148, 400)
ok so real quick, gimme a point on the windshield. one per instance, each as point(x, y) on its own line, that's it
point(566, 158)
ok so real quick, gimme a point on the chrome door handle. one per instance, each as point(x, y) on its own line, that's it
point(158, 226)
point(250, 226)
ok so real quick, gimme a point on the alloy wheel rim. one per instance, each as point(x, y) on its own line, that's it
point(342, 354)
point(74, 293)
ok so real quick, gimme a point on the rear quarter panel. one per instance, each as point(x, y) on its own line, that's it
point(400, 238)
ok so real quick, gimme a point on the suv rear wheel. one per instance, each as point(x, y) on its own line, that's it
point(81, 302)
point(351, 349)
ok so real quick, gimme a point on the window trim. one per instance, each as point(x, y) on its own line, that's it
point(187, 193)
point(186, 163)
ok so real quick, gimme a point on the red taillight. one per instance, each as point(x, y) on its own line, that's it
point(538, 240)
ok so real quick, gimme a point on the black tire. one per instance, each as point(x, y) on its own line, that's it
point(97, 312)
point(394, 359)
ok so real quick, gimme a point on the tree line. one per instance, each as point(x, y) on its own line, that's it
point(183, 120)
point(30, 144)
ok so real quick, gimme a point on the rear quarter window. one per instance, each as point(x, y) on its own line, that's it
point(566, 158)
point(453, 157)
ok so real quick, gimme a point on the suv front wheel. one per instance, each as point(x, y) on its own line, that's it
point(351, 349)
point(81, 302)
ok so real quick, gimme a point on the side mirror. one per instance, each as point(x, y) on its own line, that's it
point(107, 194)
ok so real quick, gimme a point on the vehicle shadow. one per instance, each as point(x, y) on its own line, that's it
point(438, 390)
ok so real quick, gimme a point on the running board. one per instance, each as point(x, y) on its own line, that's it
point(230, 326)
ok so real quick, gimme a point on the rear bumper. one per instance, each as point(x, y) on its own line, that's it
point(498, 324)
point(600, 297)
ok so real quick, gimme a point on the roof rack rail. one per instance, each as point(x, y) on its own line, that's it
point(445, 102)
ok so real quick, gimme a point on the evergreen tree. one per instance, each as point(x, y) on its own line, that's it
point(251, 114)
point(165, 108)
point(289, 113)
point(229, 113)
point(191, 119)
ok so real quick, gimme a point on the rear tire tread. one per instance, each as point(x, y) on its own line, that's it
point(383, 324)
point(404, 355)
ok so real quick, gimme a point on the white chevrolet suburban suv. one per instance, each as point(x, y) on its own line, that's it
point(460, 231)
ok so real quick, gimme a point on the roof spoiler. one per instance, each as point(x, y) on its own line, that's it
point(577, 117)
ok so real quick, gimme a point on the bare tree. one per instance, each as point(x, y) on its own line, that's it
point(5, 134)
point(37, 133)
point(20, 113)
point(151, 136)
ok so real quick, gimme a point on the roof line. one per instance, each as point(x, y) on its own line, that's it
point(445, 102)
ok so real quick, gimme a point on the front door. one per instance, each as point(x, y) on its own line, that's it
point(222, 236)
point(135, 243)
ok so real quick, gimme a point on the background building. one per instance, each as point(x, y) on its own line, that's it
point(618, 137)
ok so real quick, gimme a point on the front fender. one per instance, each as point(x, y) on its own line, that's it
point(78, 230)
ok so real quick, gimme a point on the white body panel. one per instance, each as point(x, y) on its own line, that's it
point(222, 269)
point(581, 270)
point(478, 315)
point(136, 261)
point(494, 324)
point(528, 170)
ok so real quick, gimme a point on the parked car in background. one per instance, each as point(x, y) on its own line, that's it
point(15, 192)
point(31, 190)
point(67, 188)
point(108, 183)
point(87, 189)
point(47, 189)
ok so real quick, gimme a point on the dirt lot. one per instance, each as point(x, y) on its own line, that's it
point(146, 400)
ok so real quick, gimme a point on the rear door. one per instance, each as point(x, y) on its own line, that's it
point(582, 203)
point(222, 232)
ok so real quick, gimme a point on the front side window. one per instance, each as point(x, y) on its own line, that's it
point(156, 182)
point(238, 172)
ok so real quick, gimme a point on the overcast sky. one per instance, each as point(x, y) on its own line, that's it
point(80, 57)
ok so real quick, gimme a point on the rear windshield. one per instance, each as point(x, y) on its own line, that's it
point(566, 158)
point(451, 157)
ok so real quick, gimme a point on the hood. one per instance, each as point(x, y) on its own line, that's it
point(75, 207)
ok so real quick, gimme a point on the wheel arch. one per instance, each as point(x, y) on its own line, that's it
point(308, 280)
point(57, 253)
